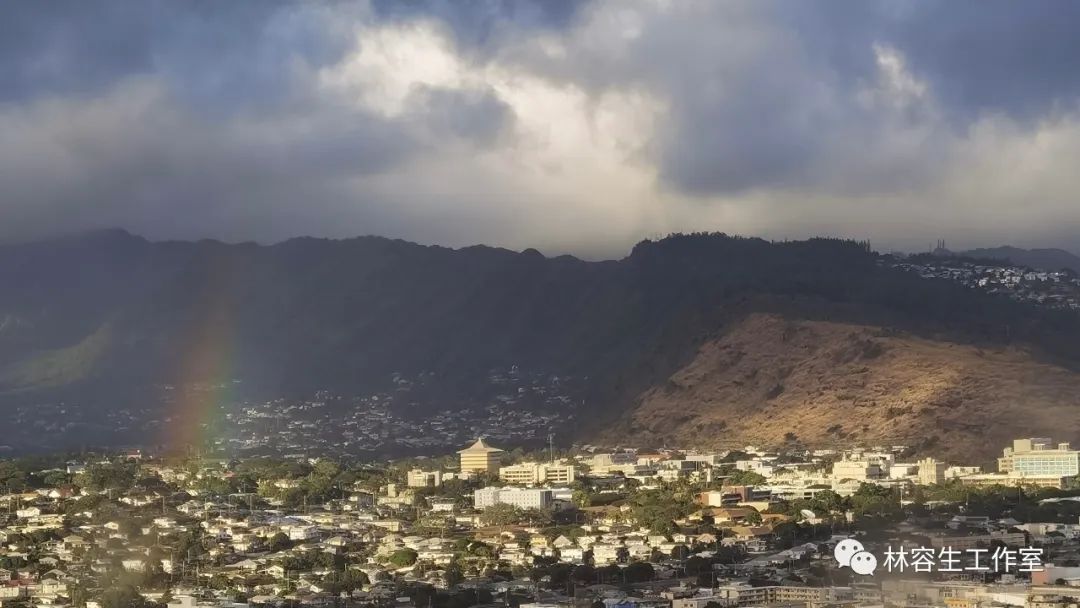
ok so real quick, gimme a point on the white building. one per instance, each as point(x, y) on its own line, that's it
point(956, 472)
point(518, 497)
point(1039, 457)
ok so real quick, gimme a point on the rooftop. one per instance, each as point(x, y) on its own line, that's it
point(479, 447)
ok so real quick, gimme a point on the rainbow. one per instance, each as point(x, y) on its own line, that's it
point(206, 361)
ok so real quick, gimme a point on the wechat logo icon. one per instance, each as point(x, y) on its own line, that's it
point(850, 552)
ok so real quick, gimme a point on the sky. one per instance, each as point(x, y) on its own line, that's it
point(569, 126)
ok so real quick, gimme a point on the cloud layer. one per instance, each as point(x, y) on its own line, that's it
point(567, 126)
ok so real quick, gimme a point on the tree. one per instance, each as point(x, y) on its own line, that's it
point(537, 517)
point(12, 478)
point(345, 582)
point(453, 575)
point(584, 574)
point(403, 558)
point(56, 479)
point(657, 509)
point(696, 565)
point(639, 572)
point(480, 549)
point(609, 574)
point(108, 476)
point(500, 515)
point(280, 542)
point(744, 478)
point(123, 597)
point(872, 501)
point(581, 498)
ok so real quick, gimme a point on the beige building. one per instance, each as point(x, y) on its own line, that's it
point(857, 470)
point(1017, 479)
point(533, 473)
point(931, 471)
point(480, 458)
point(810, 597)
point(418, 478)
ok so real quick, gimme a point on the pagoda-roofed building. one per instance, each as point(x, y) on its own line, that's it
point(480, 458)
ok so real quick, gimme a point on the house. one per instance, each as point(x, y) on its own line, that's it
point(134, 564)
point(303, 532)
point(755, 538)
point(571, 554)
point(52, 587)
point(562, 542)
point(28, 512)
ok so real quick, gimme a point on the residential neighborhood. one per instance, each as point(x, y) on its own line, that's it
point(1058, 288)
point(571, 527)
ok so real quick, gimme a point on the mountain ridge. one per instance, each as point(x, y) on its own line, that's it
point(309, 314)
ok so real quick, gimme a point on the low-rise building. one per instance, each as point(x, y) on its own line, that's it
point(418, 478)
point(1039, 457)
point(519, 497)
point(533, 473)
point(931, 471)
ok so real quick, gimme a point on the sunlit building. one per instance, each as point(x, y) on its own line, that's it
point(1039, 457)
point(531, 473)
point(480, 458)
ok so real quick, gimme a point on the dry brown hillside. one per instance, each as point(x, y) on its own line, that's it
point(769, 381)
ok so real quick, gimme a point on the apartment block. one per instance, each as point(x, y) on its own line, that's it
point(1039, 457)
point(533, 473)
point(518, 497)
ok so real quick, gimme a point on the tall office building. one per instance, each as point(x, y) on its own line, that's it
point(480, 458)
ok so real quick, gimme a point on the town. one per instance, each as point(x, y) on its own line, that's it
point(1049, 288)
point(553, 527)
point(407, 418)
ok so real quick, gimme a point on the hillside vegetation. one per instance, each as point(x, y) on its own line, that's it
point(772, 382)
point(97, 318)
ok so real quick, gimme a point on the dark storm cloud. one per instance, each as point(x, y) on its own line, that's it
point(203, 118)
point(1016, 58)
point(265, 119)
point(213, 50)
point(995, 56)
